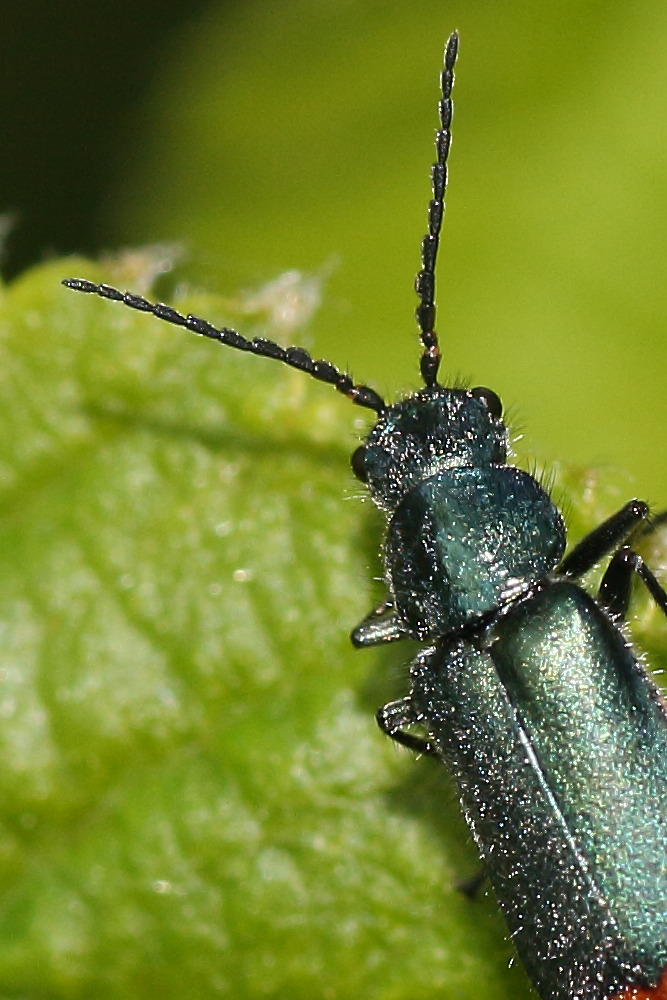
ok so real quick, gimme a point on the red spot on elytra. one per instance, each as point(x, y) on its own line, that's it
point(658, 992)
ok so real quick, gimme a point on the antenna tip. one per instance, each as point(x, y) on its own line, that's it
point(79, 284)
point(451, 49)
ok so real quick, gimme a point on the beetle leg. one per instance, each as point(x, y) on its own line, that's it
point(379, 627)
point(604, 539)
point(391, 719)
point(616, 584)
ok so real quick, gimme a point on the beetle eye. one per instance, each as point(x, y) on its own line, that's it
point(490, 400)
point(358, 463)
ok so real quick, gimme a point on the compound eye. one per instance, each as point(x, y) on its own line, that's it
point(358, 463)
point(490, 400)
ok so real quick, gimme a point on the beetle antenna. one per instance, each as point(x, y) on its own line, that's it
point(425, 281)
point(295, 357)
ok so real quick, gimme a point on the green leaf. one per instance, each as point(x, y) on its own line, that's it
point(195, 799)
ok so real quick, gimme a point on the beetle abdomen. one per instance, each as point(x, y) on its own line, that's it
point(562, 778)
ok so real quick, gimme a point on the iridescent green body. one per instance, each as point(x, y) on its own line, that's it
point(558, 740)
point(530, 692)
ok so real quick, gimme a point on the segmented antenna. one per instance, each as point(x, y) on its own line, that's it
point(295, 357)
point(425, 281)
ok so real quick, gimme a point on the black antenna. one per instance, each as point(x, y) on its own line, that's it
point(295, 357)
point(425, 281)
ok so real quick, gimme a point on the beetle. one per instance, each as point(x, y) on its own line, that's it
point(527, 686)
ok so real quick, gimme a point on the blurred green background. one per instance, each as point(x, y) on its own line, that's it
point(261, 136)
point(195, 801)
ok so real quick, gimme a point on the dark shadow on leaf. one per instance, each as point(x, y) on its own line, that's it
point(225, 440)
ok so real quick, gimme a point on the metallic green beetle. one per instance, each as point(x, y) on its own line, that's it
point(528, 688)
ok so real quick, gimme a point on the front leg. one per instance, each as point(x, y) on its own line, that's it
point(379, 627)
point(604, 539)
